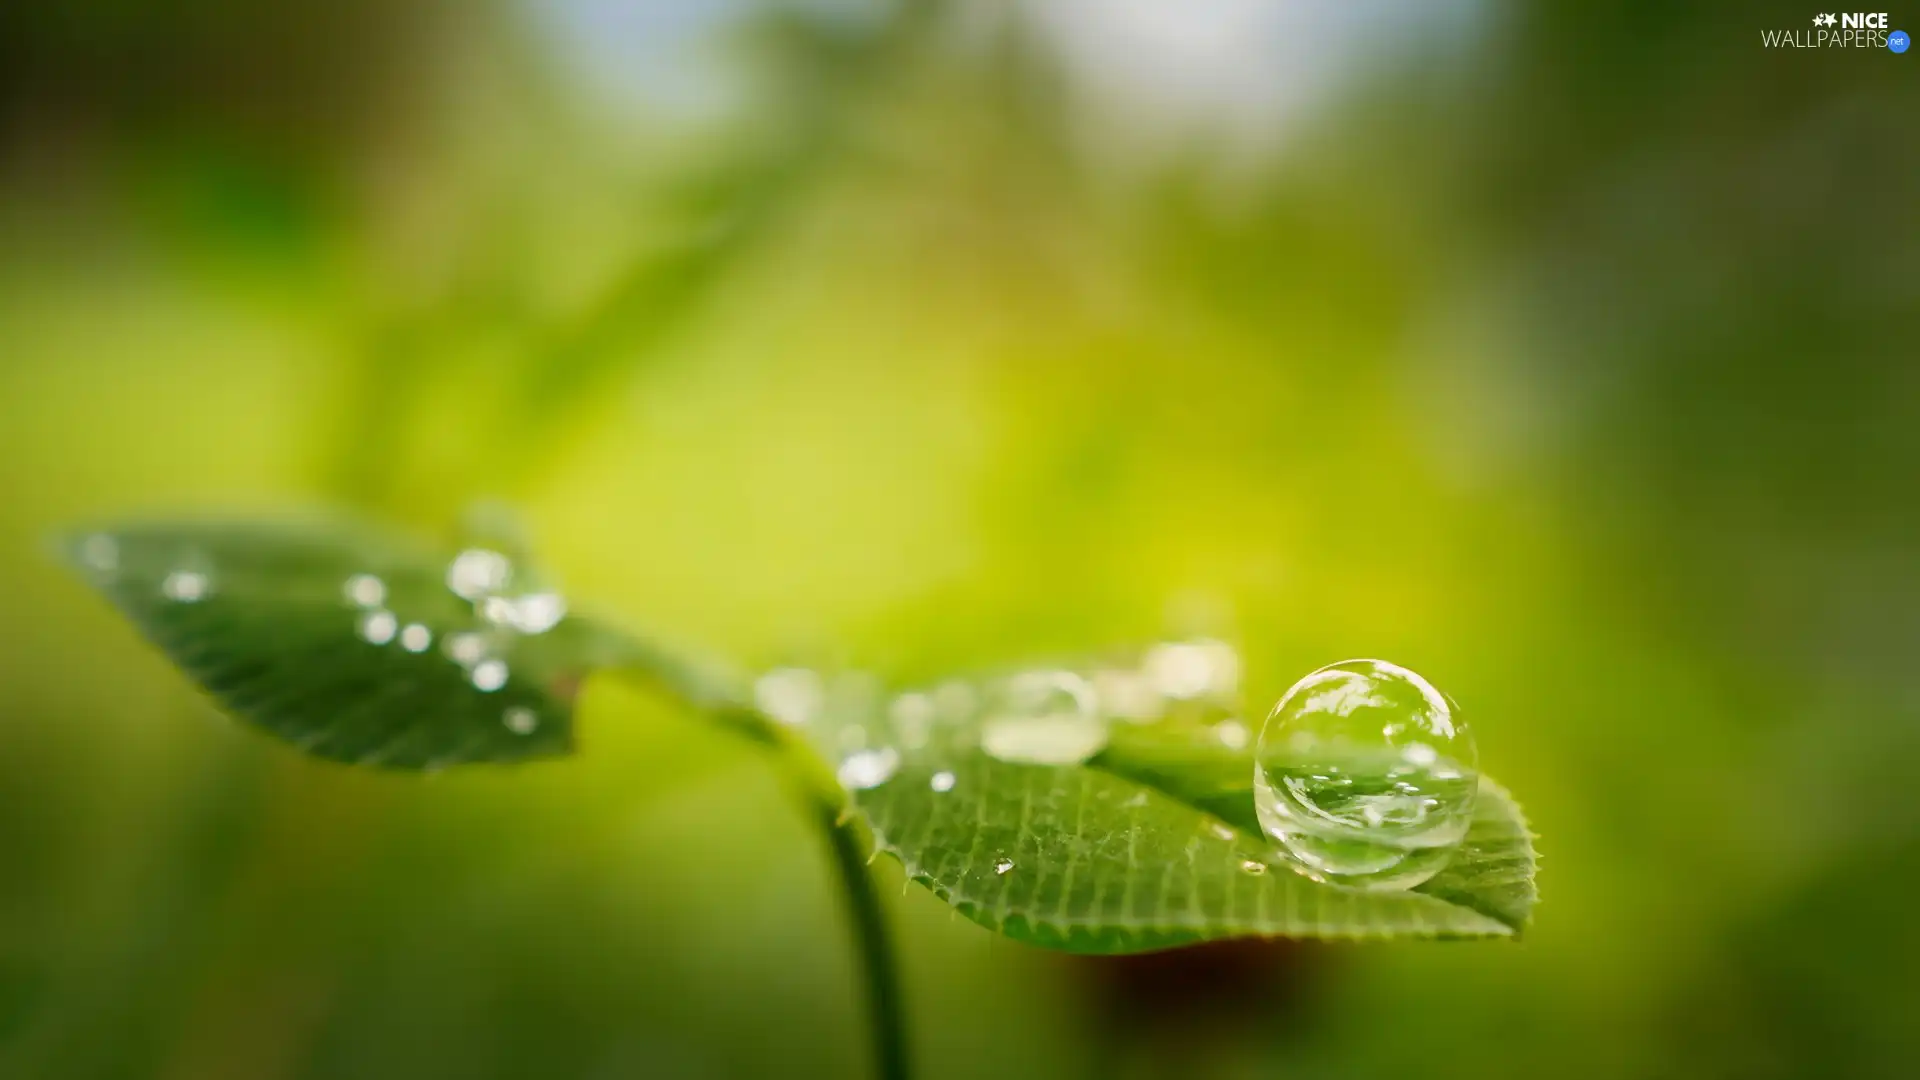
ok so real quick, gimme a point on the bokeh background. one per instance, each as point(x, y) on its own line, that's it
point(1564, 353)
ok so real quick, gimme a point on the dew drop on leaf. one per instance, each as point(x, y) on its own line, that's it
point(365, 590)
point(868, 768)
point(489, 675)
point(1045, 718)
point(941, 781)
point(416, 638)
point(1365, 775)
point(1002, 865)
point(378, 627)
point(185, 586)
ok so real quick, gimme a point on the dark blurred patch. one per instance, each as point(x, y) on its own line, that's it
point(289, 79)
point(1203, 992)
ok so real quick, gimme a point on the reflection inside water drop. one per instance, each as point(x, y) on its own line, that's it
point(1002, 865)
point(1365, 776)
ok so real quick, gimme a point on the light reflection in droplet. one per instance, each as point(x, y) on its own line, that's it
point(477, 573)
point(942, 781)
point(185, 586)
point(365, 590)
point(1002, 865)
point(416, 638)
point(869, 768)
point(521, 720)
point(378, 627)
point(489, 675)
point(792, 695)
point(1253, 866)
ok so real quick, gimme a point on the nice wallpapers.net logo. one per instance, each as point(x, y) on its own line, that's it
point(1842, 30)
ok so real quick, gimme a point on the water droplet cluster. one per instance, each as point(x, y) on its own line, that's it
point(1365, 775)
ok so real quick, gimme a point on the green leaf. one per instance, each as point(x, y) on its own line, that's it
point(1150, 844)
point(352, 644)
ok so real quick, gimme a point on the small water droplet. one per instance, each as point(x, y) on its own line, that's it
point(489, 675)
point(912, 716)
point(1045, 718)
point(378, 627)
point(185, 586)
point(1127, 695)
point(942, 781)
point(1002, 865)
point(1253, 866)
point(521, 720)
point(416, 638)
point(1380, 791)
point(477, 573)
point(100, 552)
point(1222, 831)
point(1185, 670)
point(1232, 734)
point(869, 768)
point(954, 702)
point(365, 590)
point(466, 649)
point(537, 613)
point(793, 696)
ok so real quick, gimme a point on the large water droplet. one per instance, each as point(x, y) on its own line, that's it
point(1045, 718)
point(1365, 776)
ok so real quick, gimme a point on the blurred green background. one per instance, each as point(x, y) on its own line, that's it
point(1562, 353)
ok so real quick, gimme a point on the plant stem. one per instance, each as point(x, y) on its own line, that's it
point(717, 696)
point(874, 941)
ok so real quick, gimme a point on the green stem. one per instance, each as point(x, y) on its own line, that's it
point(874, 940)
point(716, 695)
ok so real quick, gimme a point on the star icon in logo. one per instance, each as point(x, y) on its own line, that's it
point(1824, 20)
